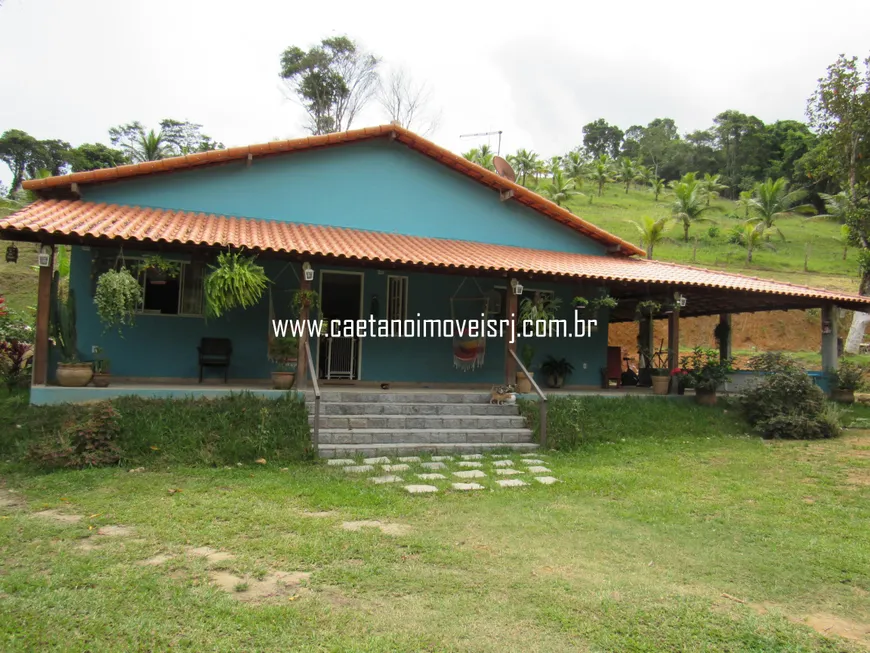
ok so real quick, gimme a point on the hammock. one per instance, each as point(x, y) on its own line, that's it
point(468, 353)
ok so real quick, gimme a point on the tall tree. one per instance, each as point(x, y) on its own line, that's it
point(174, 138)
point(773, 200)
point(93, 156)
point(333, 81)
point(657, 139)
point(741, 139)
point(407, 102)
point(601, 138)
point(688, 205)
point(18, 150)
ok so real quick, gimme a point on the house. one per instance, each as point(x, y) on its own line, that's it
point(391, 227)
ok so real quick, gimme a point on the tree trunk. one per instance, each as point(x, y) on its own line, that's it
point(859, 320)
point(685, 233)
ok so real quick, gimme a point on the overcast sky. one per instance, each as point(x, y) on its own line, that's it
point(538, 71)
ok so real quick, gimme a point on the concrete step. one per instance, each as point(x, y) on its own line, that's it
point(404, 422)
point(424, 436)
point(418, 397)
point(381, 408)
point(409, 448)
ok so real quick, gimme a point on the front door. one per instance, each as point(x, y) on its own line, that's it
point(341, 296)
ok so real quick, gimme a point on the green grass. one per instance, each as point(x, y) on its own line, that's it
point(19, 281)
point(659, 514)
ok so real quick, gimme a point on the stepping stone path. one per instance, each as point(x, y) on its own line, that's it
point(462, 473)
point(463, 487)
point(421, 489)
point(511, 482)
point(380, 480)
point(473, 473)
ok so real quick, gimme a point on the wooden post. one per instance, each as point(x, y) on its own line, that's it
point(302, 357)
point(829, 338)
point(510, 366)
point(673, 345)
point(43, 314)
point(725, 342)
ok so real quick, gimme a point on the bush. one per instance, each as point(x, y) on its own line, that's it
point(88, 442)
point(713, 232)
point(786, 403)
point(225, 431)
point(849, 376)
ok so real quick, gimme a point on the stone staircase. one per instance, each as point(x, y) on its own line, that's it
point(356, 423)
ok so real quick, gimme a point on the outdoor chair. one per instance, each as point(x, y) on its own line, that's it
point(215, 352)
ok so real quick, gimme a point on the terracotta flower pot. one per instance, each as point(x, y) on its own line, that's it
point(660, 384)
point(524, 385)
point(74, 375)
point(705, 397)
point(843, 396)
point(101, 379)
point(283, 380)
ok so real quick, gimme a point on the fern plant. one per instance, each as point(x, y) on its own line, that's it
point(235, 282)
point(117, 297)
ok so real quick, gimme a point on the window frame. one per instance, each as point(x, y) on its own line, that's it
point(405, 281)
point(142, 277)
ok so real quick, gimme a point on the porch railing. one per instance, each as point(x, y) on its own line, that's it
point(542, 399)
point(315, 432)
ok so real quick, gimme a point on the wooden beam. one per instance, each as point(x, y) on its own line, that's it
point(505, 195)
point(302, 358)
point(725, 343)
point(510, 365)
point(674, 344)
point(250, 160)
point(43, 313)
point(74, 189)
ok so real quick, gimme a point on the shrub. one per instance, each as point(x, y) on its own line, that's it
point(703, 369)
point(713, 232)
point(849, 376)
point(786, 403)
point(91, 441)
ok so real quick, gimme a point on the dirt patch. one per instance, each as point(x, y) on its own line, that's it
point(10, 499)
point(859, 477)
point(828, 624)
point(210, 554)
point(274, 586)
point(87, 545)
point(115, 531)
point(389, 529)
point(159, 559)
point(56, 515)
point(320, 514)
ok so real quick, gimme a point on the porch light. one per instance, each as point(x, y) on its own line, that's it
point(307, 271)
point(517, 286)
point(44, 257)
point(12, 254)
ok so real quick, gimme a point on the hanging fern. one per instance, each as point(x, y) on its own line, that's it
point(236, 281)
point(117, 297)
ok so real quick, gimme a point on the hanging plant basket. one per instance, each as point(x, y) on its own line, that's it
point(117, 298)
point(236, 281)
point(158, 269)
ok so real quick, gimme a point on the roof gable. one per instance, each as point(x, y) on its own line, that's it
point(513, 193)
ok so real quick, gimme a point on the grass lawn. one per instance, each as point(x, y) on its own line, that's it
point(635, 550)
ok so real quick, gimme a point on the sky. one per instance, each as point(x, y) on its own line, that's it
point(72, 69)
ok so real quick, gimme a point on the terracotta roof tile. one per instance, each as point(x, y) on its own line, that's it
point(446, 157)
point(87, 219)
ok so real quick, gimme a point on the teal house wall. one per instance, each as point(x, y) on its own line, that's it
point(376, 185)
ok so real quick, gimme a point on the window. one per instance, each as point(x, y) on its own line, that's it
point(182, 295)
point(397, 298)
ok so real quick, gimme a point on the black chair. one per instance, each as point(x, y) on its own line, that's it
point(215, 352)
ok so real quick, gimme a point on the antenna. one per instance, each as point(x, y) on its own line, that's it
point(498, 151)
point(503, 168)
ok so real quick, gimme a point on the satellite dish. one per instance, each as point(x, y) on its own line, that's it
point(503, 168)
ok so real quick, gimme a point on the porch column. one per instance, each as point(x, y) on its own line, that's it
point(43, 313)
point(302, 358)
point(725, 341)
point(829, 337)
point(673, 345)
point(510, 365)
point(645, 342)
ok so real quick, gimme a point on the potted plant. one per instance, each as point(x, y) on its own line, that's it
point(705, 372)
point(524, 383)
point(661, 380)
point(284, 351)
point(556, 370)
point(681, 378)
point(71, 371)
point(117, 297)
point(845, 381)
point(159, 269)
point(305, 300)
point(235, 281)
point(101, 369)
point(503, 394)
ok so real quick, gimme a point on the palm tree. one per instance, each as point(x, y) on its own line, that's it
point(751, 236)
point(555, 165)
point(560, 189)
point(745, 203)
point(523, 163)
point(642, 174)
point(651, 231)
point(658, 186)
point(600, 172)
point(836, 207)
point(482, 156)
point(711, 186)
point(626, 172)
point(150, 146)
point(689, 204)
point(574, 166)
point(772, 200)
